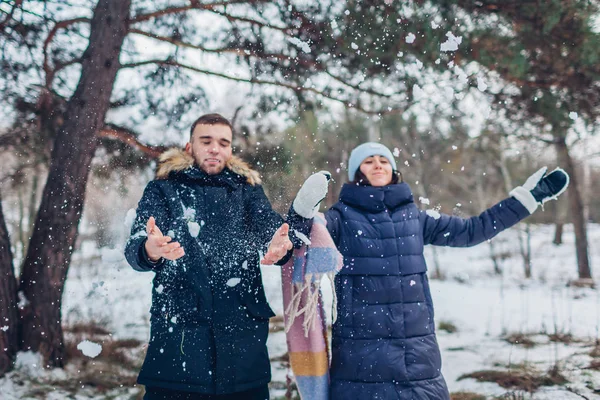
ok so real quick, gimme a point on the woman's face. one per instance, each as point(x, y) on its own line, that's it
point(378, 170)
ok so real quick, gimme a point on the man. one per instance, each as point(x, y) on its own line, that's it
point(200, 226)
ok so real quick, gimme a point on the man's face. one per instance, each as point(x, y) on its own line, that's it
point(211, 147)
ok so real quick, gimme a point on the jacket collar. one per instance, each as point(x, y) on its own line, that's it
point(376, 199)
point(177, 163)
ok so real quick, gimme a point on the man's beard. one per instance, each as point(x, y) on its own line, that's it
point(209, 170)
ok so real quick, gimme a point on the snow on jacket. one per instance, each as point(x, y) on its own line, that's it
point(209, 313)
point(384, 344)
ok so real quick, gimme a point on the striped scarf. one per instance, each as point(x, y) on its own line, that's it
point(305, 328)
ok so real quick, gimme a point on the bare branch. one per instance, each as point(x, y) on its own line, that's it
point(59, 25)
point(353, 86)
point(9, 15)
point(236, 114)
point(234, 18)
point(63, 65)
point(233, 50)
point(11, 139)
point(529, 137)
point(290, 86)
point(126, 136)
point(249, 53)
point(194, 5)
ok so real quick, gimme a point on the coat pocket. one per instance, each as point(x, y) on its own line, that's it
point(179, 354)
point(251, 355)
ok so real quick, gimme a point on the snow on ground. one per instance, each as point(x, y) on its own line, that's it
point(482, 306)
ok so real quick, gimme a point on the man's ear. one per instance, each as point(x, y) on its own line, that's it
point(188, 148)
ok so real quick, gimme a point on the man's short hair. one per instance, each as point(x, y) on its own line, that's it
point(210, 119)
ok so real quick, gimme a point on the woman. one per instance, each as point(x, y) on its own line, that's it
point(384, 344)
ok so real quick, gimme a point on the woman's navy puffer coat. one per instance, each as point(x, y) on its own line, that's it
point(384, 344)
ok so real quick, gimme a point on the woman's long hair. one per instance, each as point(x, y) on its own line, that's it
point(361, 180)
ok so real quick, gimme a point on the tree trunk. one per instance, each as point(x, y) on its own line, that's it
point(55, 231)
point(526, 252)
point(9, 315)
point(524, 248)
point(558, 232)
point(561, 211)
point(576, 208)
point(494, 257)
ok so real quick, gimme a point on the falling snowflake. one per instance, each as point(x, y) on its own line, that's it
point(481, 85)
point(111, 255)
point(23, 302)
point(130, 217)
point(410, 38)
point(451, 44)
point(89, 349)
point(189, 214)
point(160, 288)
point(424, 200)
point(433, 214)
point(139, 234)
point(573, 115)
point(194, 229)
point(418, 93)
point(233, 282)
point(305, 47)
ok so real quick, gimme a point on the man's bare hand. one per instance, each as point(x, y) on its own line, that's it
point(280, 245)
point(160, 246)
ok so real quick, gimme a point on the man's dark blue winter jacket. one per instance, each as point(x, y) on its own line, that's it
point(384, 345)
point(209, 314)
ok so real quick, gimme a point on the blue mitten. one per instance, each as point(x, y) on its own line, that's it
point(540, 188)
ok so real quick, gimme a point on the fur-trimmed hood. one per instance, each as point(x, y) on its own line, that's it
point(177, 160)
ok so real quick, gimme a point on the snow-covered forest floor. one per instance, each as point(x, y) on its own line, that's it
point(516, 338)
